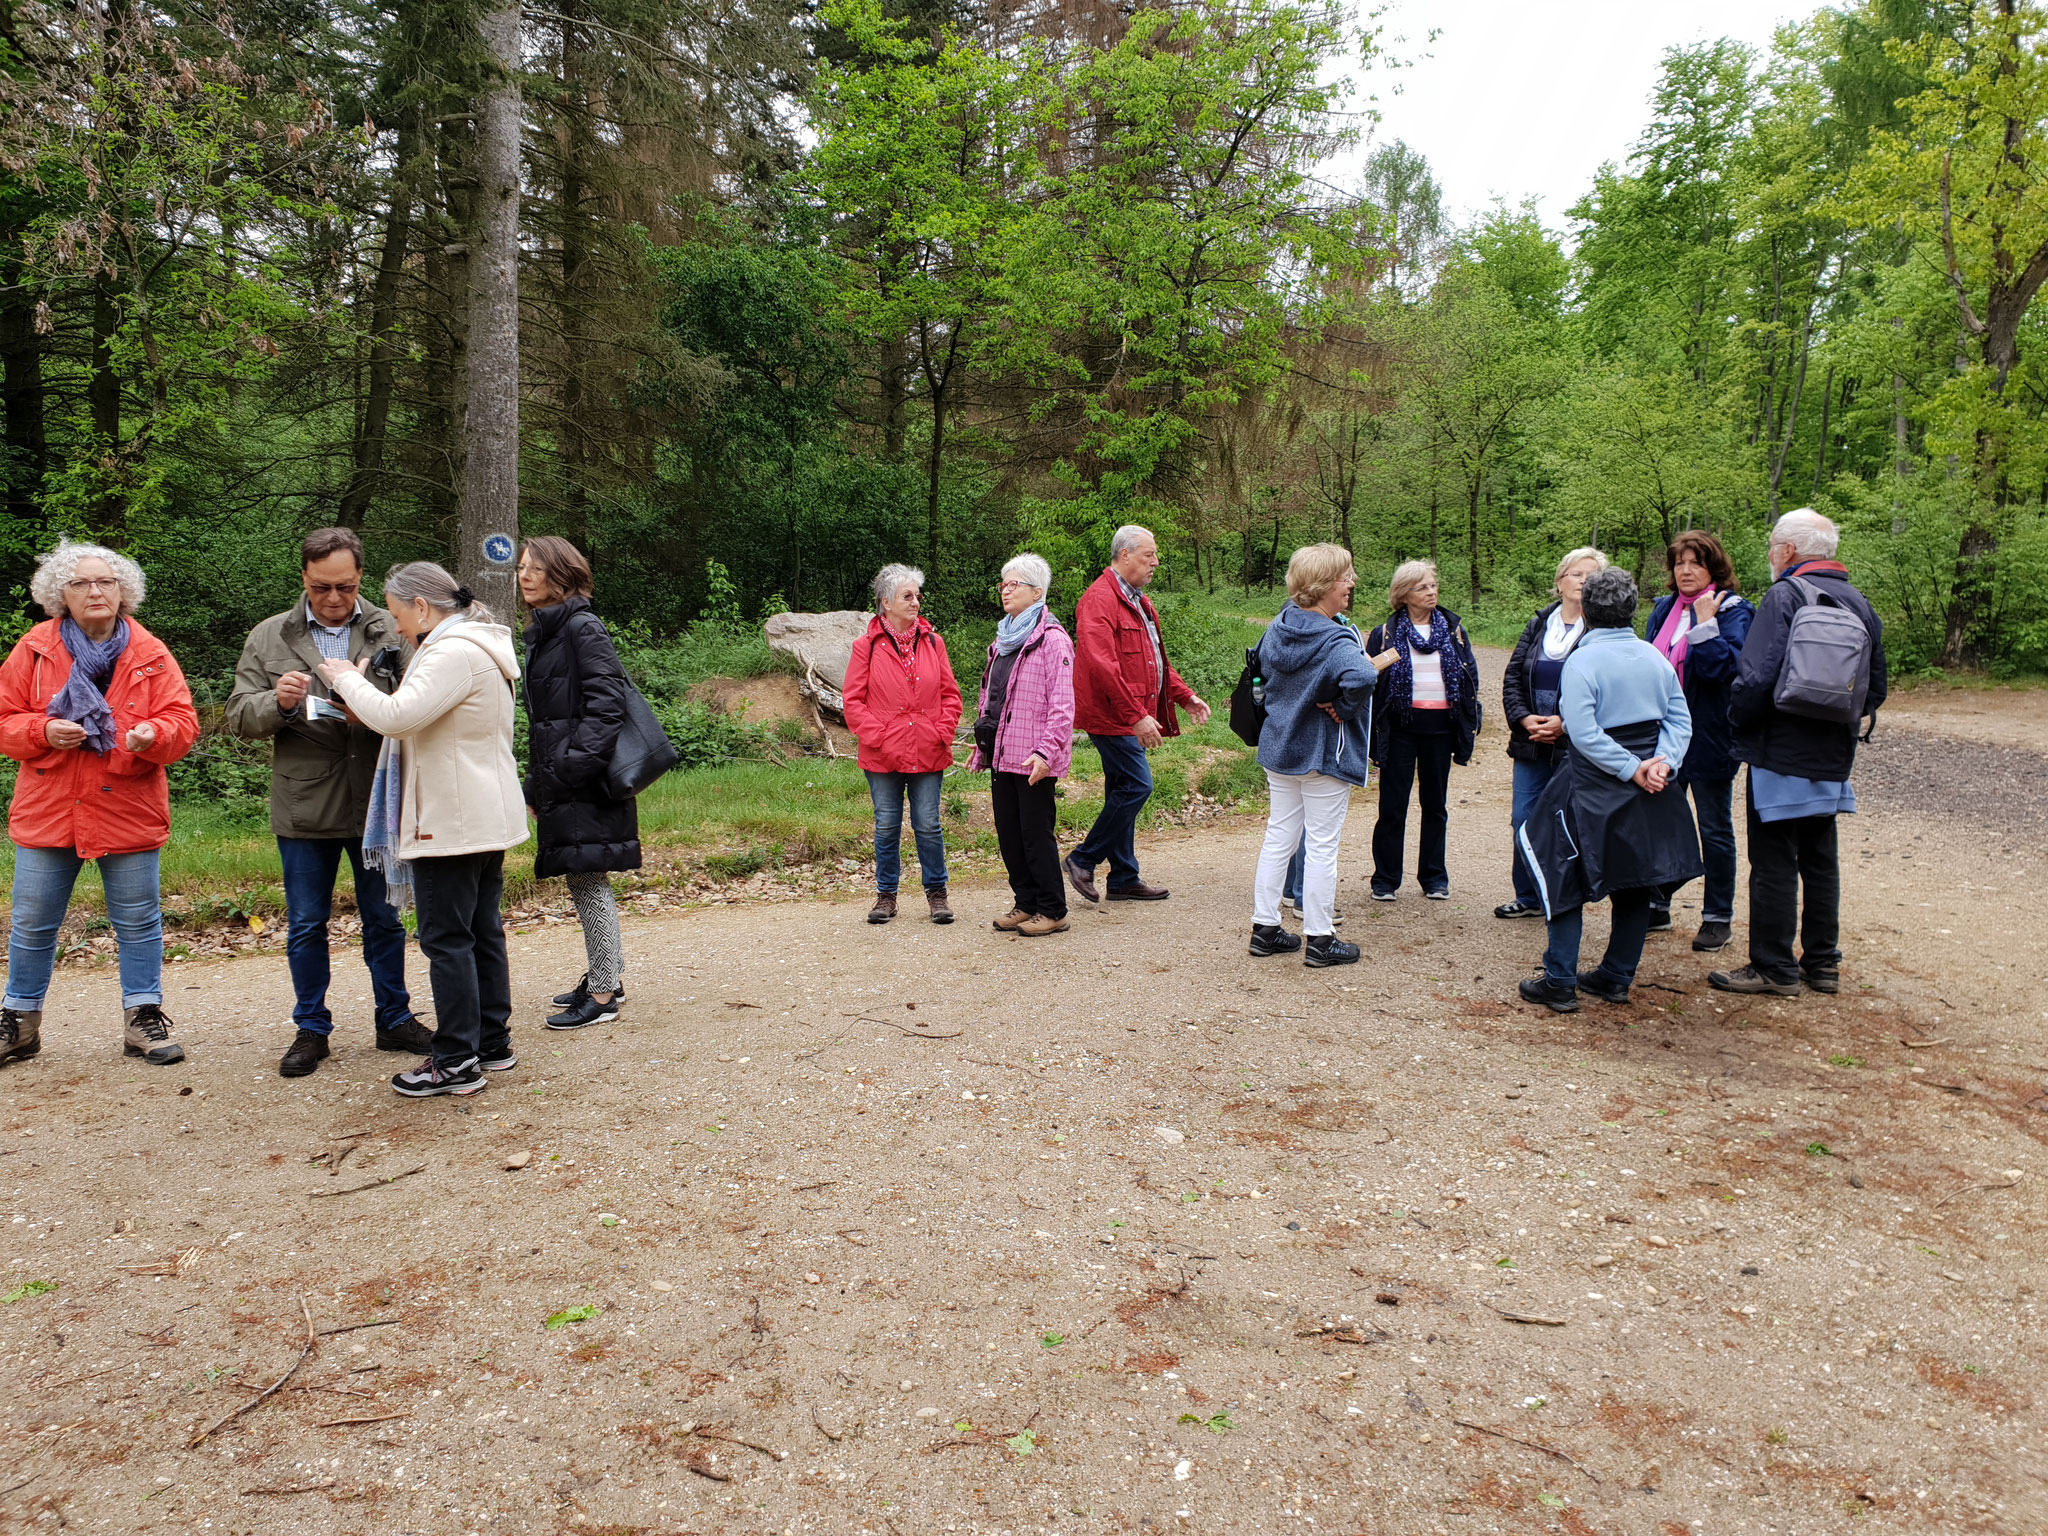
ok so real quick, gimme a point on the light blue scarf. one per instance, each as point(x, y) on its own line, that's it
point(1013, 631)
point(380, 827)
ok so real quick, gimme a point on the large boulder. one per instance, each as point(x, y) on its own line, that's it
point(821, 645)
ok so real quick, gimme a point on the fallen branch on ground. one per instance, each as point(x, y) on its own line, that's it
point(368, 1418)
point(389, 1178)
point(1972, 1189)
point(1548, 1450)
point(250, 1493)
point(1526, 1317)
point(982, 1436)
point(269, 1391)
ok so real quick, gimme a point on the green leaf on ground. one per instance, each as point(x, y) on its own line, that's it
point(1216, 1423)
point(1052, 1340)
point(1023, 1444)
point(23, 1292)
point(568, 1315)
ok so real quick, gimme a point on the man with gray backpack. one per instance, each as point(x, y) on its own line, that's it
point(1812, 670)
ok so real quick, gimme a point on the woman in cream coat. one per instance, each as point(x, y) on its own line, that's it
point(445, 806)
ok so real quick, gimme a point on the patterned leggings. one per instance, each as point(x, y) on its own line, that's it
point(598, 912)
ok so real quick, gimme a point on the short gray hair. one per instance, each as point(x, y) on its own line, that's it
point(426, 582)
point(1029, 569)
point(61, 564)
point(891, 579)
point(1609, 599)
point(1573, 557)
point(1127, 536)
point(1811, 536)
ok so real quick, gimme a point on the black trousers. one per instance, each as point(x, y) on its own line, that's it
point(1783, 856)
point(1027, 817)
point(1406, 758)
point(463, 938)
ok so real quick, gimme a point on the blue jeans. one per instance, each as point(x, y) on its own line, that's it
point(1126, 786)
point(1531, 779)
point(1624, 941)
point(889, 791)
point(310, 866)
point(1714, 804)
point(43, 878)
point(1297, 868)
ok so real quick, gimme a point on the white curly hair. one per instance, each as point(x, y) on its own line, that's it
point(61, 564)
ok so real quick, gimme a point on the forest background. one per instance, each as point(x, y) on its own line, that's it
point(748, 297)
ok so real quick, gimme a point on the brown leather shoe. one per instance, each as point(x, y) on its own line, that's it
point(942, 911)
point(1038, 927)
point(1012, 920)
point(1138, 890)
point(884, 907)
point(1082, 880)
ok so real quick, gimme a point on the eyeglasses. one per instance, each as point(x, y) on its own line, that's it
point(334, 589)
point(94, 584)
point(1004, 586)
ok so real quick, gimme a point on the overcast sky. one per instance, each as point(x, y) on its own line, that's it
point(1526, 98)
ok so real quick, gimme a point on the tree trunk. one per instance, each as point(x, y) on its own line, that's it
point(1820, 457)
point(1472, 537)
point(368, 469)
point(934, 465)
point(490, 421)
point(21, 391)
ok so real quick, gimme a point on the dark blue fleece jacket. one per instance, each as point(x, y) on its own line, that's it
point(1308, 658)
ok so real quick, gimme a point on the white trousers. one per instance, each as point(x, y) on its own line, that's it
point(1313, 804)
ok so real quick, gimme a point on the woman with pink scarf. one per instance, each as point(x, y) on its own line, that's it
point(1699, 627)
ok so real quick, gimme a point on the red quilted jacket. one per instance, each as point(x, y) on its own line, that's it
point(904, 716)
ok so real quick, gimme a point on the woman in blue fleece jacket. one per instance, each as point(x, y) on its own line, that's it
point(1319, 684)
point(1609, 825)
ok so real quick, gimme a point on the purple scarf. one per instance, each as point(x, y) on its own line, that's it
point(1403, 636)
point(92, 668)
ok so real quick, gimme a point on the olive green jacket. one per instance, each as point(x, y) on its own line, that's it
point(320, 770)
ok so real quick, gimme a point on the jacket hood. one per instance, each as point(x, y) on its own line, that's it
point(1298, 639)
point(494, 640)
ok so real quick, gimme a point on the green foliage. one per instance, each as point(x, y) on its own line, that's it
point(27, 1289)
point(582, 1313)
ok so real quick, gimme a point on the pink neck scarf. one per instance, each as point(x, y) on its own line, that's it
point(1671, 638)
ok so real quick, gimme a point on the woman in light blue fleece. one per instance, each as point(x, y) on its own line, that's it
point(1606, 827)
point(1319, 684)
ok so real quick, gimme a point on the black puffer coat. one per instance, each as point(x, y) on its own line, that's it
point(575, 707)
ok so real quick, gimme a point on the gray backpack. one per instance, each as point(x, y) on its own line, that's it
point(1826, 672)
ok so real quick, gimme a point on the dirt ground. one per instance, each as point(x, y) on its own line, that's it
point(918, 1229)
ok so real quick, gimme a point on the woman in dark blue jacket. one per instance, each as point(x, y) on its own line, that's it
point(1699, 627)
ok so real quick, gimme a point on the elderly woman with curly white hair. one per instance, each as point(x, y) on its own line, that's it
point(94, 708)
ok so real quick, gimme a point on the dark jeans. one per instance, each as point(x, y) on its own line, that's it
point(1624, 941)
point(1714, 803)
point(1407, 758)
point(888, 791)
point(463, 939)
point(1297, 871)
point(310, 866)
point(1782, 856)
point(1531, 779)
point(1026, 816)
point(1126, 786)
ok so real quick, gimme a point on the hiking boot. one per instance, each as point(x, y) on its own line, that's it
point(1712, 936)
point(582, 1015)
point(1823, 980)
point(1012, 920)
point(21, 1033)
point(1327, 949)
point(1660, 920)
point(148, 1035)
point(1518, 908)
point(430, 1078)
point(580, 991)
point(1038, 926)
point(1750, 980)
point(884, 907)
point(1082, 880)
point(1597, 984)
point(308, 1049)
point(1541, 989)
point(1272, 939)
point(408, 1035)
point(942, 911)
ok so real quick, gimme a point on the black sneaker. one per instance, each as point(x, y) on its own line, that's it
point(1541, 990)
point(308, 1050)
point(581, 991)
point(1326, 949)
point(499, 1061)
point(1380, 895)
point(1438, 893)
point(1660, 919)
point(1712, 936)
point(1822, 980)
point(431, 1077)
point(1597, 984)
point(408, 1035)
point(1750, 980)
point(582, 1015)
point(1272, 939)
point(1518, 908)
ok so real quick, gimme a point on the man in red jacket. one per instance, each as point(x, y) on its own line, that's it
point(1125, 691)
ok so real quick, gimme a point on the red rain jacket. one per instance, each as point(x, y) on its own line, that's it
point(1113, 666)
point(904, 716)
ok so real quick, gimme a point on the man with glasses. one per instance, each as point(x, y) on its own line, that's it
point(322, 763)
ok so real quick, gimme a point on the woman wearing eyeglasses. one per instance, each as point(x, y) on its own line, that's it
point(94, 708)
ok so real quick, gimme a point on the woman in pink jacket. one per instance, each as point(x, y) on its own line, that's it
point(1024, 731)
